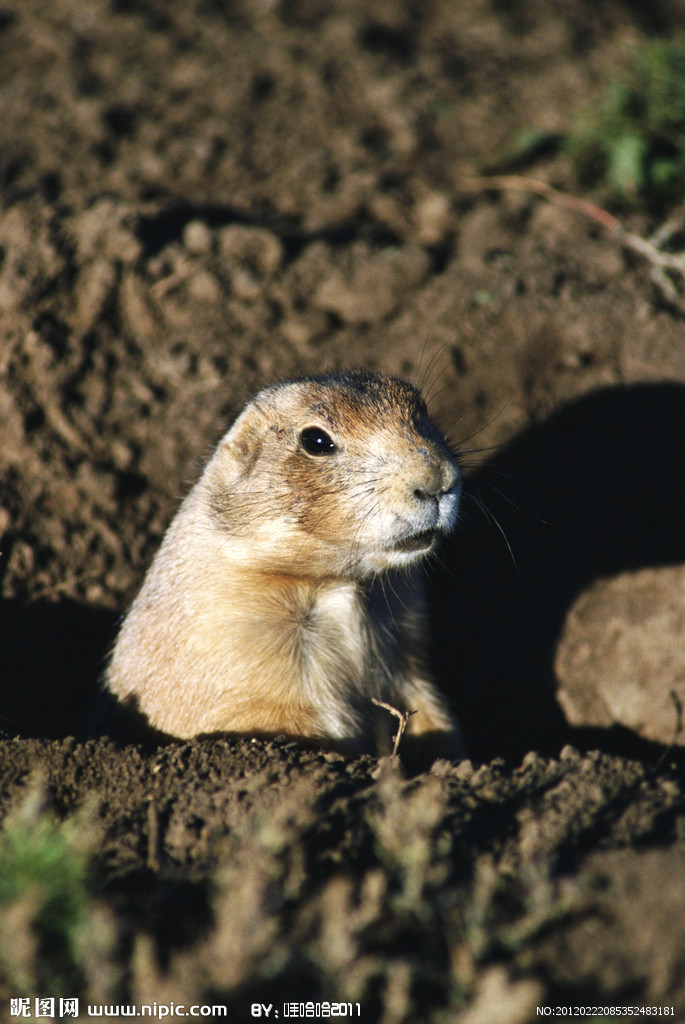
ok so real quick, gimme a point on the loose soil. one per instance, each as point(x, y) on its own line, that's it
point(198, 198)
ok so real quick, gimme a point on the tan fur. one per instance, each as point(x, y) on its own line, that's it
point(285, 593)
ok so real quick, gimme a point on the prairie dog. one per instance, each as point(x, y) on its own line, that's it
point(286, 592)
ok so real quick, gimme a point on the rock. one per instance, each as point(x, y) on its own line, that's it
point(94, 286)
point(255, 248)
point(135, 309)
point(197, 238)
point(621, 658)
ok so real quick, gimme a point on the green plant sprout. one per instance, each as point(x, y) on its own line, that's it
point(634, 139)
point(633, 144)
point(44, 897)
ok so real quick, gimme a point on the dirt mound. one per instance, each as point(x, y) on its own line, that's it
point(231, 869)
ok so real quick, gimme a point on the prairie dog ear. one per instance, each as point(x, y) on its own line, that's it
point(240, 447)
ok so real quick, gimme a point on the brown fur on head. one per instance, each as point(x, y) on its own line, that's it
point(375, 496)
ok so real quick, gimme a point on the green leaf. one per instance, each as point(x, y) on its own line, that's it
point(626, 164)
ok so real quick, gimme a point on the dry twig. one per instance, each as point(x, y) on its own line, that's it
point(667, 269)
point(403, 717)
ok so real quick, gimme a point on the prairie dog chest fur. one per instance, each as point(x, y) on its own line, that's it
point(285, 596)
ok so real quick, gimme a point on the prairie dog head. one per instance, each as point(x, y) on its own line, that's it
point(340, 475)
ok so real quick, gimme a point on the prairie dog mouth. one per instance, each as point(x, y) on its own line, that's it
point(417, 542)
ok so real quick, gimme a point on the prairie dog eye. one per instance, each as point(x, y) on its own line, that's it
point(316, 441)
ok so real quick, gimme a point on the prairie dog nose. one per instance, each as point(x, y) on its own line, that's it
point(445, 478)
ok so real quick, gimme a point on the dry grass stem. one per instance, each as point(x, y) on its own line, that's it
point(667, 269)
point(403, 717)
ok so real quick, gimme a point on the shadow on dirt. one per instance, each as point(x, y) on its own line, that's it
point(597, 489)
point(51, 658)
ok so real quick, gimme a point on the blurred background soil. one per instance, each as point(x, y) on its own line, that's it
point(196, 199)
